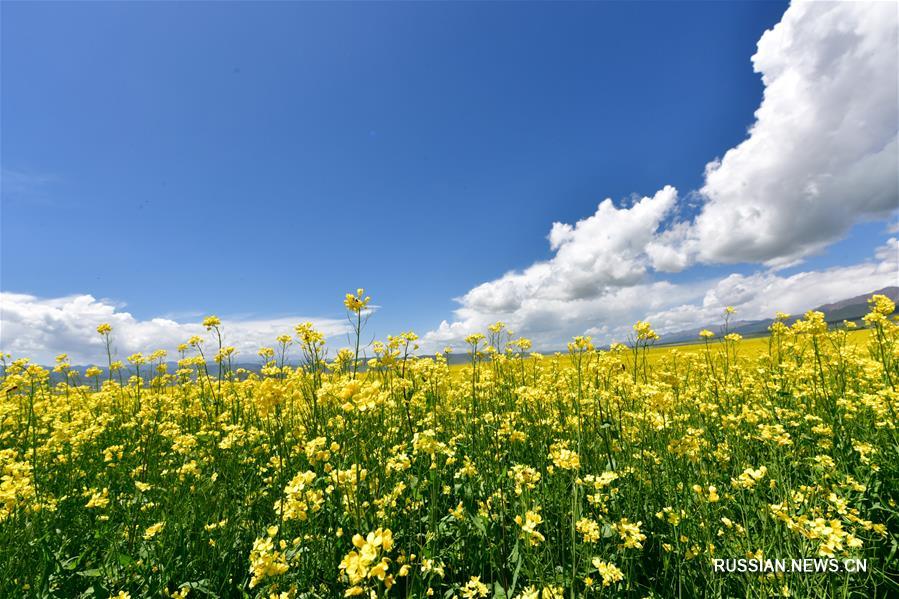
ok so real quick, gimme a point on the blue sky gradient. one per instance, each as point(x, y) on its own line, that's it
point(261, 159)
point(238, 158)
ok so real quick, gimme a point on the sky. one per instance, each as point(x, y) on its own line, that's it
point(565, 168)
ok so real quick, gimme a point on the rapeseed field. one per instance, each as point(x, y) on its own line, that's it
point(371, 472)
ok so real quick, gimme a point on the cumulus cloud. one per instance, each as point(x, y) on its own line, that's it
point(822, 153)
point(41, 328)
point(760, 295)
point(672, 307)
point(550, 323)
point(601, 251)
point(598, 264)
point(820, 157)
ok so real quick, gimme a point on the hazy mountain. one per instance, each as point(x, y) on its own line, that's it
point(852, 308)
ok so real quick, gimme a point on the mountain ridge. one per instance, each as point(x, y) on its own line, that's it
point(852, 308)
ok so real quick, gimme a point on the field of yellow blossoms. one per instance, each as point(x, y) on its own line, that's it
point(371, 472)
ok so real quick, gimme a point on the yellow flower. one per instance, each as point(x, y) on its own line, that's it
point(526, 478)
point(99, 499)
point(356, 303)
point(369, 560)
point(474, 338)
point(563, 457)
point(748, 478)
point(496, 327)
point(881, 304)
point(609, 572)
point(307, 334)
point(580, 344)
point(630, 534)
point(530, 592)
point(458, 512)
point(532, 519)
point(265, 561)
point(589, 529)
point(152, 531)
point(644, 331)
point(475, 588)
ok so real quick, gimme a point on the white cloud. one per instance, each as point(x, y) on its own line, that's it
point(41, 328)
point(598, 264)
point(893, 225)
point(602, 251)
point(760, 295)
point(821, 156)
point(672, 307)
point(550, 323)
point(822, 153)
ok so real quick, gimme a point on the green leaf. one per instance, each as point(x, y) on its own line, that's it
point(518, 560)
point(125, 560)
point(92, 573)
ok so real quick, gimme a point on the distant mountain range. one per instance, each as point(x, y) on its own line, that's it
point(851, 309)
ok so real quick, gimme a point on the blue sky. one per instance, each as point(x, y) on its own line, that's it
point(258, 160)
